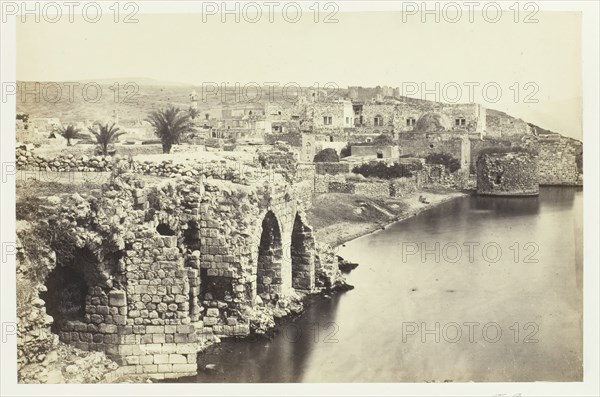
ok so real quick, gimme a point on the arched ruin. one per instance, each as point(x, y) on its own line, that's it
point(302, 254)
point(270, 258)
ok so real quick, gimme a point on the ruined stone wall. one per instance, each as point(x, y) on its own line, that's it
point(419, 144)
point(137, 309)
point(557, 156)
point(304, 191)
point(36, 343)
point(333, 168)
point(279, 159)
point(322, 182)
point(372, 189)
point(28, 160)
point(342, 187)
point(507, 174)
point(306, 171)
point(558, 161)
point(179, 263)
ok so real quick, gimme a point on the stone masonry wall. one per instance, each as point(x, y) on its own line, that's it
point(507, 174)
point(372, 189)
point(333, 168)
point(419, 144)
point(174, 265)
point(322, 182)
point(558, 161)
point(342, 187)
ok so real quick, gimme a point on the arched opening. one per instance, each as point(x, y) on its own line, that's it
point(68, 287)
point(302, 253)
point(164, 230)
point(270, 257)
point(191, 236)
point(65, 296)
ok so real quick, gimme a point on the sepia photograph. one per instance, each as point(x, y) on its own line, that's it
point(300, 198)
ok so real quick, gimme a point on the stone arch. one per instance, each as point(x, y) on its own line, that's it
point(77, 283)
point(65, 296)
point(302, 253)
point(270, 259)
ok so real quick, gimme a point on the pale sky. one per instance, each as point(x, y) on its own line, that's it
point(367, 49)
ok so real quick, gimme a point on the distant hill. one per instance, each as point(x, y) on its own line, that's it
point(133, 101)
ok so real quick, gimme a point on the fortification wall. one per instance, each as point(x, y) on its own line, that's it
point(507, 174)
point(558, 161)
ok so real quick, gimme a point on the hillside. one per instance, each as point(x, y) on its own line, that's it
point(135, 100)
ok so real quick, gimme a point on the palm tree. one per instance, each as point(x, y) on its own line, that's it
point(69, 132)
point(105, 135)
point(169, 125)
point(193, 112)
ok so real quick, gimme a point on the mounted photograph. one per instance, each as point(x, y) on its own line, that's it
point(307, 193)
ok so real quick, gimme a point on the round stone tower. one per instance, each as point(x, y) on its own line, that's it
point(507, 174)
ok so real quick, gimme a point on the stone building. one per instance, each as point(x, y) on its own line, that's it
point(422, 144)
point(332, 115)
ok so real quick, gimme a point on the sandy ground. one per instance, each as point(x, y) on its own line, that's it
point(336, 232)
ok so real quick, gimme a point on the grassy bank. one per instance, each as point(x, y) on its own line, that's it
point(338, 218)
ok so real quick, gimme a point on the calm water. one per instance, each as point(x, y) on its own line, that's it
point(516, 316)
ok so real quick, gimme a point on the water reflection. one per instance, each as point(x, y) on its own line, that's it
point(537, 285)
point(507, 206)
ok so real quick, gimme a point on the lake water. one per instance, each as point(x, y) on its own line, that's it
point(499, 300)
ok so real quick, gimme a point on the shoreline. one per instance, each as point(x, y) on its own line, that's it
point(339, 233)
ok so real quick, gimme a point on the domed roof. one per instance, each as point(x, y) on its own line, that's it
point(431, 122)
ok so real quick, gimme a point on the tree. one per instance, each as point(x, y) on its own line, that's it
point(451, 163)
point(193, 112)
point(105, 135)
point(69, 132)
point(346, 151)
point(383, 140)
point(169, 125)
point(327, 156)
